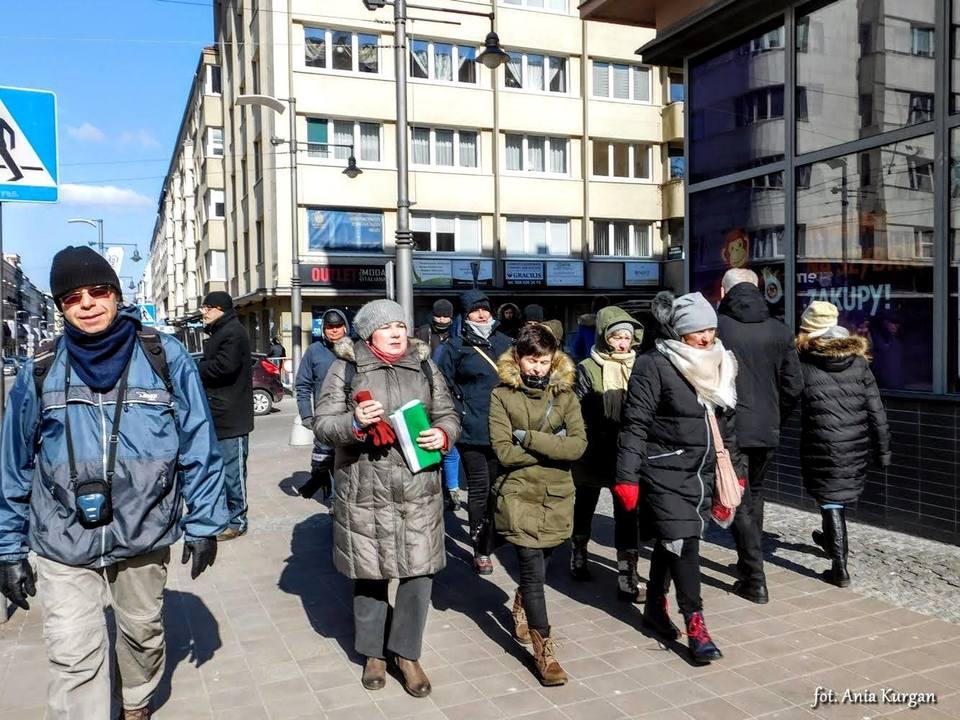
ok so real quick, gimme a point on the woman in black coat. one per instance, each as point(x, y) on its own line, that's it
point(667, 457)
point(843, 424)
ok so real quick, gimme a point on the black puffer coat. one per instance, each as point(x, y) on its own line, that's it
point(665, 444)
point(226, 370)
point(843, 421)
point(769, 381)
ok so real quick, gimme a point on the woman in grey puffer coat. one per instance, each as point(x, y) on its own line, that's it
point(388, 521)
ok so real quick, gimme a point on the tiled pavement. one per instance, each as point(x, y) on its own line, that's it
point(267, 633)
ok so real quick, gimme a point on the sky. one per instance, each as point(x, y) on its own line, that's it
point(121, 71)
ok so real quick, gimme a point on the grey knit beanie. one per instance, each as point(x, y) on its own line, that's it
point(692, 313)
point(375, 314)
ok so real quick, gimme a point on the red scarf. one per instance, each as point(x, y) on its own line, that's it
point(389, 359)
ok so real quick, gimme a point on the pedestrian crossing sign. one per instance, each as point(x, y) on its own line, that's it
point(148, 314)
point(29, 163)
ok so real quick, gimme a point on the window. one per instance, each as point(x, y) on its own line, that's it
point(538, 236)
point(920, 171)
point(216, 204)
point(621, 238)
point(257, 162)
point(677, 163)
point(921, 107)
point(212, 82)
point(536, 73)
point(621, 82)
point(536, 153)
point(217, 266)
point(758, 105)
point(346, 230)
point(621, 160)
point(214, 142)
point(555, 5)
point(921, 41)
point(443, 62)
point(676, 87)
point(444, 148)
point(923, 243)
point(446, 233)
point(365, 137)
point(341, 50)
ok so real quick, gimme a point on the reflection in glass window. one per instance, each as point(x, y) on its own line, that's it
point(865, 233)
point(345, 230)
point(446, 233)
point(539, 73)
point(348, 52)
point(342, 45)
point(538, 236)
point(881, 71)
point(953, 284)
point(676, 87)
point(442, 62)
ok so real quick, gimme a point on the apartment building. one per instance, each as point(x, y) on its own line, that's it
point(188, 249)
point(28, 312)
point(555, 178)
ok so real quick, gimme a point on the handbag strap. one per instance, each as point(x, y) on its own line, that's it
point(715, 431)
point(486, 357)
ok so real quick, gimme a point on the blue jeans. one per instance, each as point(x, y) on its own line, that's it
point(234, 452)
point(451, 469)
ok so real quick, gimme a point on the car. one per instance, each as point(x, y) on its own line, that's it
point(10, 366)
point(267, 388)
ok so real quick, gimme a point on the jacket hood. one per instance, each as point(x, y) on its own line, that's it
point(350, 350)
point(346, 322)
point(835, 348)
point(744, 303)
point(587, 320)
point(661, 308)
point(471, 298)
point(516, 309)
point(563, 372)
point(613, 315)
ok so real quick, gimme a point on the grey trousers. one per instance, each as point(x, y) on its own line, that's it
point(75, 632)
point(399, 630)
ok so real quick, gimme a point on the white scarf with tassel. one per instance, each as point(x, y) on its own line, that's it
point(711, 372)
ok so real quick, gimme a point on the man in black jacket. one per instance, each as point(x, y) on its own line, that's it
point(227, 376)
point(769, 383)
point(437, 331)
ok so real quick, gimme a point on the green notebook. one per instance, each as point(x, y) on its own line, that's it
point(408, 422)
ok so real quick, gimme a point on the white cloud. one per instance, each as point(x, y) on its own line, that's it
point(143, 138)
point(71, 194)
point(87, 133)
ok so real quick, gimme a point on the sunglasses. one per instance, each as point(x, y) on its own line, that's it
point(97, 292)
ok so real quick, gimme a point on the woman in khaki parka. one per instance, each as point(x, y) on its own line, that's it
point(537, 432)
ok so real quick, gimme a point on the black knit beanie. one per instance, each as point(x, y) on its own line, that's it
point(78, 266)
point(533, 313)
point(443, 308)
point(218, 299)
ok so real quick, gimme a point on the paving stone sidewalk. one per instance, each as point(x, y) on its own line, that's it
point(267, 633)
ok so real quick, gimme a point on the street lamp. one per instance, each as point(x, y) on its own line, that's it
point(493, 56)
point(99, 244)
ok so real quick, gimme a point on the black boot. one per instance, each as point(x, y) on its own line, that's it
point(835, 541)
point(579, 564)
point(702, 648)
point(656, 616)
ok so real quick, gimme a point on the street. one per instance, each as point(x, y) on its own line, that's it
point(267, 632)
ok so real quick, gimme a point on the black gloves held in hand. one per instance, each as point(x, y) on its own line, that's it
point(17, 581)
point(204, 552)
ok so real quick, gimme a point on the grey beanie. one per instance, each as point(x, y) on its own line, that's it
point(692, 313)
point(617, 327)
point(375, 314)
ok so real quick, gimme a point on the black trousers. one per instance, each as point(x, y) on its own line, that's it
point(685, 571)
point(747, 525)
point(380, 629)
point(625, 529)
point(533, 574)
point(480, 467)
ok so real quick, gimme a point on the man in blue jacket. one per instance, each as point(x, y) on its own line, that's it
point(97, 466)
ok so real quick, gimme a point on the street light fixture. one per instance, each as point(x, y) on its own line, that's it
point(99, 244)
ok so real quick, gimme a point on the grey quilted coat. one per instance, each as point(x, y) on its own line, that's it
point(388, 522)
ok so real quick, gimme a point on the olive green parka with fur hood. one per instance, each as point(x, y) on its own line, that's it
point(535, 486)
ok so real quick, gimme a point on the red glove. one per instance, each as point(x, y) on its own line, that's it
point(628, 494)
point(380, 433)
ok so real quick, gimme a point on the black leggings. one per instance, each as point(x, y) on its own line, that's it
point(533, 573)
point(685, 571)
point(480, 467)
point(625, 530)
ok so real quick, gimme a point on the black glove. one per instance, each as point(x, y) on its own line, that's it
point(17, 581)
point(204, 552)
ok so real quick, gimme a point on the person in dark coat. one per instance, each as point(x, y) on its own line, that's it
point(468, 361)
point(511, 319)
point(227, 374)
point(533, 313)
point(310, 376)
point(276, 349)
point(768, 389)
point(667, 456)
point(843, 425)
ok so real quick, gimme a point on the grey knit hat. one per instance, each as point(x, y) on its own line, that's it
point(617, 327)
point(692, 313)
point(375, 314)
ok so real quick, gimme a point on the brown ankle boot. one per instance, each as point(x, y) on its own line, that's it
point(374, 673)
point(521, 631)
point(548, 667)
point(137, 714)
point(415, 680)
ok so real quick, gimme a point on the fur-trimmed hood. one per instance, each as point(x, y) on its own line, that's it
point(835, 348)
point(563, 372)
point(346, 349)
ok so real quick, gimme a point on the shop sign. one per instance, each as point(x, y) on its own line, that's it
point(675, 252)
point(523, 273)
point(347, 277)
point(463, 273)
point(566, 273)
point(641, 273)
point(434, 273)
point(431, 273)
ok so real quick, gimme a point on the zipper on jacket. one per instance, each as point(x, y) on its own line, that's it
point(103, 444)
point(703, 491)
point(663, 455)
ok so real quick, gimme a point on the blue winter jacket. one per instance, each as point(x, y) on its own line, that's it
point(313, 369)
point(167, 456)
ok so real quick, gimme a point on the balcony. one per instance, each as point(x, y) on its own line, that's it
point(673, 199)
point(672, 115)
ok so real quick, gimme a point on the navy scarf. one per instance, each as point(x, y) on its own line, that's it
point(99, 359)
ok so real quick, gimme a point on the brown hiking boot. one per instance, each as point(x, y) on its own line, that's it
point(548, 667)
point(521, 631)
point(415, 680)
point(137, 714)
point(374, 673)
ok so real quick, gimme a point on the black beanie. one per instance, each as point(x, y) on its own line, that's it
point(332, 318)
point(218, 299)
point(443, 308)
point(78, 266)
point(533, 313)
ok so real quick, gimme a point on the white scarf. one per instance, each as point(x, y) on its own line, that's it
point(484, 330)
point(712, 372)
point(615, 373)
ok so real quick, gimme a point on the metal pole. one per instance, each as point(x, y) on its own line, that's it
point(296, 304)
point(404, 239)
point(100, 235)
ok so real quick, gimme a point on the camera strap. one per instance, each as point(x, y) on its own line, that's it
point(114, 431)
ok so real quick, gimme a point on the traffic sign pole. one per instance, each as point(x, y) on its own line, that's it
point(3, 326)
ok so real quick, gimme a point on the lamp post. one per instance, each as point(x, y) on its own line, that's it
point(98, 224)
point(493, 56)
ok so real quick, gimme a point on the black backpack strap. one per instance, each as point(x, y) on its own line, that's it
point(42, 362)
point(152, 347)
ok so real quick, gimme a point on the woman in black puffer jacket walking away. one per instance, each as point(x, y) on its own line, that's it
point(667, 455)
point(843, 423)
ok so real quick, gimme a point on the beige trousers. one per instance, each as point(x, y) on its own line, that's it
point(75, 631)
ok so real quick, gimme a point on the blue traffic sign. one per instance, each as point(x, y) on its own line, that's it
point(29, 162)
point(148, 314)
